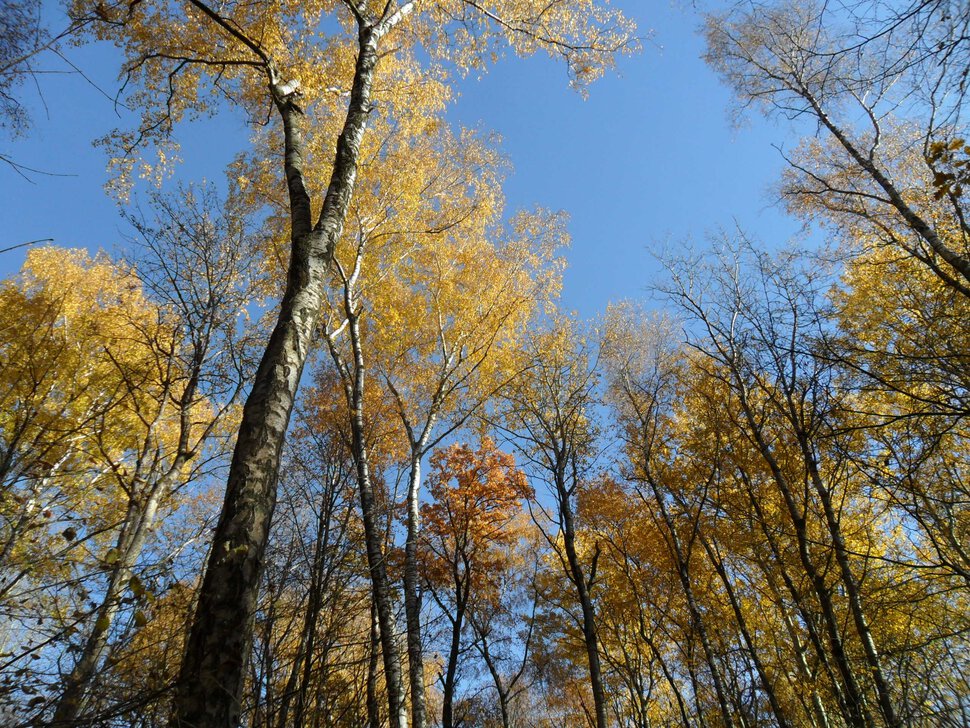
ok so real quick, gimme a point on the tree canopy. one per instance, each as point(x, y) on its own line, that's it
point(322, 445)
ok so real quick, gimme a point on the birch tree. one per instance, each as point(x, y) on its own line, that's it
point(885, 87)
point(268, 56)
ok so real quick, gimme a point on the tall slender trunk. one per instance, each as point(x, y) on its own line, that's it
point(672, 683)
point(858, 711)
point(814, 638)
point(503, 691)
point(766, 684)
point(354, 380)
point(807, 674)
point(454, 651)
point(209, 691)
point(139, 521)
point(412, 595)
point(137, 526)
point(373, 663)
point(579, 579)
point(381, 587)
point(648, 639)
point(851, 585)
point(298, 681)
point(683, 572)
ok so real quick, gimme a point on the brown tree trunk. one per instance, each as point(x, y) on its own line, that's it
point(353, 377)
point(454, 650)
point(858, 712)
point(682, 564)
point(851, 586)
point(766, 684)
point(298, 681)
point(138, 524)
point(373, 663)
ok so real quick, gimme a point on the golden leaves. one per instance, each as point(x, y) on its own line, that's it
point(183, 60)
point(85, 383)
point(950, 162)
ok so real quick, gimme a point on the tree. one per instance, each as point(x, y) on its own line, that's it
point(198, 267)
point(63, 365)
point(478, 299)
point(313, 635)
point(258, 55)
point(106, 414)
point(468, 535)
point(550, 410)
point(644, 379)
point(854, 72)
point(761, 341)
point(19, 28)
point(463, 285)
point(504, 625)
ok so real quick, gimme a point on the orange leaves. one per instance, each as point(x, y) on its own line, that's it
point(477, 494)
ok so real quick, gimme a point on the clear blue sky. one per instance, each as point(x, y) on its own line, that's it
point(649, 159)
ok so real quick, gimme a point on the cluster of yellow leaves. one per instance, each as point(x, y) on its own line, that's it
point(951, 163)
point(826, 185)
point(902, 320)
point(179, 60)
point(87, 386)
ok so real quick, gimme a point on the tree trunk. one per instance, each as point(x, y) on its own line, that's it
point(851, 586)
point(373, 534)
point(578, 577)
point(454, 651)
point(380, 583)
point(683, 572)
point(298, 682)
point(804, 671)
point(412, 597)
point(766, 684)
point(373, 660)
point(806, 619)
point(139, 521)
point(858, 712)
point(209, 689)
point(501, 689)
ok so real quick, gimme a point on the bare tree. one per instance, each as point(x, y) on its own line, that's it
point(885, 87)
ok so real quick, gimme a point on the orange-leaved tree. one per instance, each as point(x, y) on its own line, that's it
point(468, 537)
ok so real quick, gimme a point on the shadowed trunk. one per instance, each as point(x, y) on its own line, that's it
point(578, 577)
point(214, 667)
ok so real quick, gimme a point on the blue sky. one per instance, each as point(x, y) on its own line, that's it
point(649, 160)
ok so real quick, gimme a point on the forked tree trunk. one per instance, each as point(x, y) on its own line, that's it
point(454, 652)
point(682, 562)
point(856, 704)
point(742, 623)
point(137, 526)
point(209, 691)
point(139, 522)
point(381, 587)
